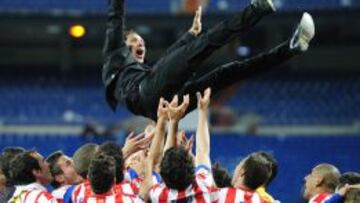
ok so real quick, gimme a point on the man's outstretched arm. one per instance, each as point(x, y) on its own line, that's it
point(116, 54)
point(114, 27)
point(202, 156)
point(193, 32)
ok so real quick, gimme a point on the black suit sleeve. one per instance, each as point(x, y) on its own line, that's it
point(116, 55)
point(184, 39)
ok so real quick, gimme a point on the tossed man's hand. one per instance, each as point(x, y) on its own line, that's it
point(197, 26)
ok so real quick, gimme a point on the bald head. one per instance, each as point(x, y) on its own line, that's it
point(323, 179)
point(330, 174)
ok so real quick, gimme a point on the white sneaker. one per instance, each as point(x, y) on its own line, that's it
point(303, 34)
point(264, 6)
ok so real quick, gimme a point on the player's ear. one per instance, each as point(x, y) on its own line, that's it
point(319, 181)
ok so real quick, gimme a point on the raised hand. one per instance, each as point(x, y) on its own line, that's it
point(163, 108)
point(197, 26)
point(135, 143)
point(175, 111)
point(203, 102)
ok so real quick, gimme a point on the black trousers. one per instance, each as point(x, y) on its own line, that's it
point(172, 73)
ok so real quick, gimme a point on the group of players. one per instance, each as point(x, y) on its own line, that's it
point(152, 167)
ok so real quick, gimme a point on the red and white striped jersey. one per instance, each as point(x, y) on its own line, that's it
point(84, 190)
point(59, 193)
point(80, 191)
point(113, 197)
point(132, 176)
point(320, 198)
point(235, 195)
point(32, 193)
point(126, 187)
point(201, 191)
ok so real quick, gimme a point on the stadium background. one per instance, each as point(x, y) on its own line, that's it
point(305, 112)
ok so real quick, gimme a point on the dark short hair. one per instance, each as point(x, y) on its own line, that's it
point(257, 171)
point(274, 165)
point(102, 173)
point(221, 176)
point(350, 178)
point(22, 166)
point(82, 158)
point(177, 168)
point(114, 150)
point(7, 155)
point(55, 169)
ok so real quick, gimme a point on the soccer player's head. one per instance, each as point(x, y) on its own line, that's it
point(136, 44)
point(62, 169)
point(323, 178)
point(221, 176)
point(350, 178)
point(82, 158)
point(29, 167)
point(274, 165)
point(7, 155)
point(252, 172)
point(114, 150)
point(352, 196)
point(177, 168)
point(102, 173)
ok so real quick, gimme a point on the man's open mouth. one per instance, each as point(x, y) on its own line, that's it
point(139, 52)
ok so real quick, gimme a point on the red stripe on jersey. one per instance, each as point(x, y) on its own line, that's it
point(76, 192)
point(321, 197)
point(134, 188)
point(38, 197)
point(248, 196)
point(164, 195)
point(88, 189)
point(26, 195)
point(230, 195)
point(198, 194)
point(48, 196)
point(181, 195)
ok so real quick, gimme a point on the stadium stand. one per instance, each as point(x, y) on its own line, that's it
point(296, 98)
point(159, 6)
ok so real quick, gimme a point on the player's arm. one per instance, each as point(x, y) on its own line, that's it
point(175, 113)
point(191, 34)
point(155, 149)
point(157, 146)
point(135, 143)
point(115, 52)
point(202, 156)
point(339, 196)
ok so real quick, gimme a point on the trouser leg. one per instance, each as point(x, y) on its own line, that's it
point(230, 73)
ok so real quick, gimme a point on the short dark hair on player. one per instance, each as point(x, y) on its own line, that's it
point(221, 176)
point(177, 168)
point(350, 178)
point(7, 155)
point(22, 166)
point(274, 165)
point(102, 173)
point(114, 150)
point(257, 171)
point(55, 169)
